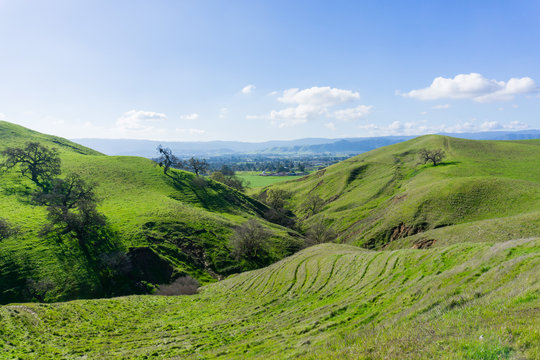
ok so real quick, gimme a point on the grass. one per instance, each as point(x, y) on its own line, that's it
point(182, 223)
point(470, 301)
point(380, 197)
point(255, 180)
point(454, 274)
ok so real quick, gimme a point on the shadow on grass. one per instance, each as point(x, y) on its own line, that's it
point(211, 195)
point(446, 163)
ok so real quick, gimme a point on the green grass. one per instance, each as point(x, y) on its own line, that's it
point(255, 180)
point(467, 301)
point(384, 195)
point(185, 225)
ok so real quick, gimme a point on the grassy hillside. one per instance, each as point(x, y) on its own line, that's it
point(466, 301)
point(380, 198)
point(167, 225)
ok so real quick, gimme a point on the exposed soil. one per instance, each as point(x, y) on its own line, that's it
point(424, 243)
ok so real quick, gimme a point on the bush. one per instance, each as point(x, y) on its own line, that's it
point(319, 233)
point(6, 229)
point(184, 285)
point(250, 241)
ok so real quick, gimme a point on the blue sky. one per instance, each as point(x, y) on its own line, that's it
point(262, 70)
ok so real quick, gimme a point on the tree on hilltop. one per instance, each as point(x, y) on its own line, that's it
point(435, 156)
point(166, 158)
point(35, 161)
point(195, 165)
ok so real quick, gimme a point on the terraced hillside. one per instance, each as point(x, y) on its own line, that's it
point(464, 301)
point(166, 224)
point(483, 190)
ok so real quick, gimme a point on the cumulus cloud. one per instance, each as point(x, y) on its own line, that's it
point(352, 113)
point(473, 86)
point(139, 120)
point(193, 116)
point(421, 128)
point(516, 125)
point(318, 96)
point(247, 89)
point(315, 102)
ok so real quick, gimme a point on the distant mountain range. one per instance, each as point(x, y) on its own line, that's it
point(147, 148)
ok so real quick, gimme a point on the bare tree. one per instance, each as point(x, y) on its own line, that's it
point(250, 240)
point(166, 158)
point(35, 161)
point(435, 156)
point(195, 165)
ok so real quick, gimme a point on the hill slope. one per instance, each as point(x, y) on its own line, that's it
point(383, 197)
point(166, 224)
point(470, 301)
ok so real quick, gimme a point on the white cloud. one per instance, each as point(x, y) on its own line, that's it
point(473, 86)
point(442, 106)
point(318, 96)
point(247, 89)
point(421, 128)
point(193, 116)
point(330, 126)
point(490, 125)
point(312, 103)
point(516, 125)
point(2, 116)
point(138, 120)
point(352, 113)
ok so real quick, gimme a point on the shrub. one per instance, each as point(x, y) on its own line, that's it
point(6, 229)
point(184, 285)
point(250, 240)
point(320, 233)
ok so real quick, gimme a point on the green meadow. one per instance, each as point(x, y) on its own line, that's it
point(431, 262)
point(181, 226)
point(482, 191)
point(256, 181)
point(464, 301)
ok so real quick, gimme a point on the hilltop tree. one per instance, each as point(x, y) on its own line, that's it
point(196, 165)
point(435, 156)
point(166, 158)
point(35, 161)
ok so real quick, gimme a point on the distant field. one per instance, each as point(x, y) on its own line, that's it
point(255, 180)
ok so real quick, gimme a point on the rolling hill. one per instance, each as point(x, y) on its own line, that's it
point(483, 191)
point(162, 225)
point(331, 301)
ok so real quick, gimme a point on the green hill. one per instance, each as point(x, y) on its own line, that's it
point(167, 225)
point(488, 190)
point(463, 301)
